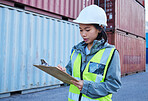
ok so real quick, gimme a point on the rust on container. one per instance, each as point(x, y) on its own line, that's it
point(141, 2)
point(131, 50)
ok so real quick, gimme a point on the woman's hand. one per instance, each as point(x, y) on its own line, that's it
point(61, 68)
point(78, 84)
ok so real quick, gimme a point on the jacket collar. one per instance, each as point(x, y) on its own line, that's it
point(97, 45)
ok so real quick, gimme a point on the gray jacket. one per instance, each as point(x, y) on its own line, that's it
point(113, 79)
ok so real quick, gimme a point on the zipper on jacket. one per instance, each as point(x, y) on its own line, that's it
point(81, 77)
point(80, 96)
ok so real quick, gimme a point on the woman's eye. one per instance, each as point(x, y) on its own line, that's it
point(81, 30)
point(87, 30)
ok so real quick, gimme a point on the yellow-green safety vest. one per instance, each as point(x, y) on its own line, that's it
point(102, 56)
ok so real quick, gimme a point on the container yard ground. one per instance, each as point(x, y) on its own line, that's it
point(134, 88)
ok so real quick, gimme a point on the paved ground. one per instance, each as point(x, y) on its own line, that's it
point(134, 88)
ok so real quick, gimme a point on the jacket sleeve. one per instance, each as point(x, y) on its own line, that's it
point(111, 84)
point(68, 68)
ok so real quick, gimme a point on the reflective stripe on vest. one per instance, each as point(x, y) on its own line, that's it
point(103, 56)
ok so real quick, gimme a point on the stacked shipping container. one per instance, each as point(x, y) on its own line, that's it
point(126, 30)
point(27, 37)
point(62, 9)
point(131, 49)
point(29, 52)
point(125, 15)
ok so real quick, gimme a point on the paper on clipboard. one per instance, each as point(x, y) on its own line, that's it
point(57, 73)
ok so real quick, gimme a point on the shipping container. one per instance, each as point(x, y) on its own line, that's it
point(146, 47)
point(131, 49)
point(146, 35)
point(27, 37)
point(146, 39)
point(59, 8)
point(125, 15)
point(146, 55)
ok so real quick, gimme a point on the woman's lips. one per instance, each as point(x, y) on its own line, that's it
point(85, 40)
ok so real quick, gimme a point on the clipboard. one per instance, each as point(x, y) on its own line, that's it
point(57, 73)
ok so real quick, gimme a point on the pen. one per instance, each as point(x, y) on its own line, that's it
point(43, 62)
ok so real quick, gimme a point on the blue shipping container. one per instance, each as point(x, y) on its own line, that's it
point(146, 39)
point(147, 48)
point(27, 37)
point(146, 55)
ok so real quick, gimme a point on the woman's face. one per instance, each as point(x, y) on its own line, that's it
point(89, 33)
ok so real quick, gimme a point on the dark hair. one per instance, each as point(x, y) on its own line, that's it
point(102, 34)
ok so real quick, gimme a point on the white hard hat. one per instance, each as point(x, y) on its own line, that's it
point(92, 15)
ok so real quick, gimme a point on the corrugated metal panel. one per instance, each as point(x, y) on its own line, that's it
point(68, 8)
point(130, 17)
point(131, 49)
point(146, 27)
point(27, 37)
point(126, 15)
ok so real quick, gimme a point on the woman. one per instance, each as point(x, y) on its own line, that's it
point(94, 62)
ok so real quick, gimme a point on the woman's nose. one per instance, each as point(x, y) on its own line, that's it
point(83, 34)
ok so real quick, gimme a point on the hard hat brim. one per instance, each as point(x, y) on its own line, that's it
point(79, 22)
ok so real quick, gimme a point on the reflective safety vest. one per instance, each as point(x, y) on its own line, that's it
point(102, 56)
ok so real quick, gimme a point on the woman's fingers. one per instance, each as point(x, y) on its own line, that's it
point(78, 84)
point(61, 68)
